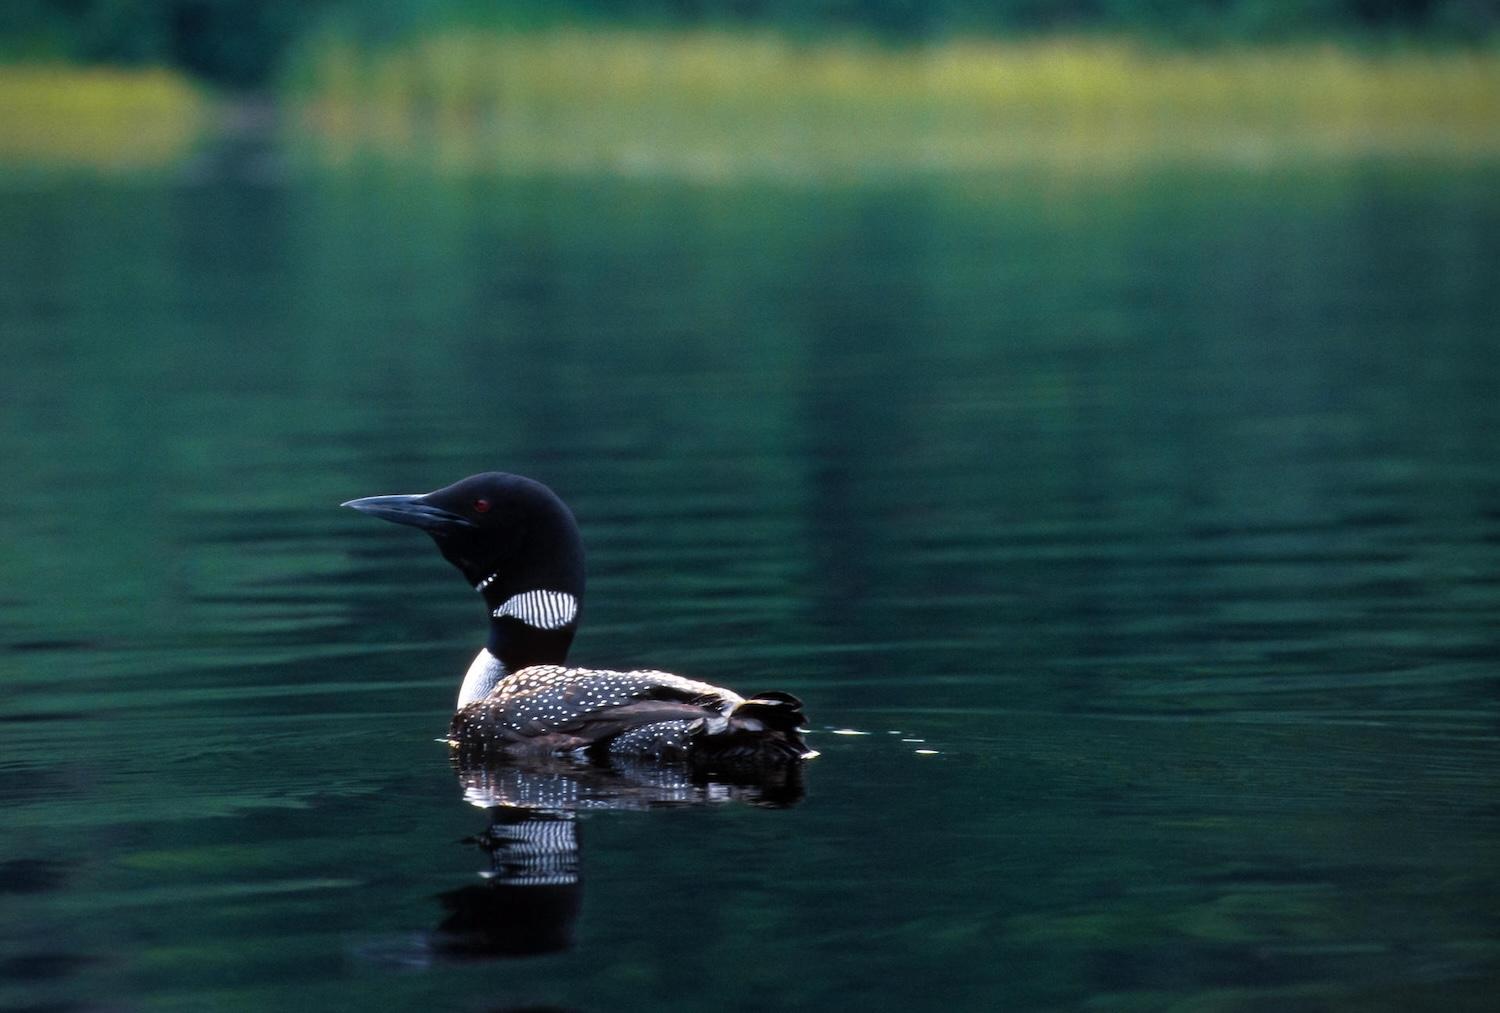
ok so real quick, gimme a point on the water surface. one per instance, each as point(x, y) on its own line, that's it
point(1147, 529)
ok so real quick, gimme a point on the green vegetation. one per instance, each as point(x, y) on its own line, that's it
point(714, 88)
point(716, 104)
point(244, 43)
point(104, 118)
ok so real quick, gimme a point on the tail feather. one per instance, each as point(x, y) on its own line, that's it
point(778, 712)
point(763, 730)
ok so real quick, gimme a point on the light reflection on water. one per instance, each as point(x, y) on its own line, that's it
point(1162, 511)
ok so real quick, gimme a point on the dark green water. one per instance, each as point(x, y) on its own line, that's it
point(1165, 511)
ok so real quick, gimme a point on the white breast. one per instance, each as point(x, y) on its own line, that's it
point(483, 674)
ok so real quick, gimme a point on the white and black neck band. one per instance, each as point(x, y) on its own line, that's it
point(546, 610)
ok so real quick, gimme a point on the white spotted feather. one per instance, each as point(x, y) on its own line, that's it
point(553, 699)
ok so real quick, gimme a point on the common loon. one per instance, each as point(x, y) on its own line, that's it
point(518, 545)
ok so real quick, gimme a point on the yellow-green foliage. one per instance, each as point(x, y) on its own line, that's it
point(96, 118)
point(720, 103)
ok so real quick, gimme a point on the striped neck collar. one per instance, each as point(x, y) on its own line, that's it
point(545, 610)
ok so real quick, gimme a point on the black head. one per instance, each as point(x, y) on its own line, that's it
point(505, 533)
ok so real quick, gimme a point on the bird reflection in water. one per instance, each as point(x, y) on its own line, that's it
point(532, 892)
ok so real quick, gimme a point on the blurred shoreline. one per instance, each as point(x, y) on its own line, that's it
point(724, 105)
point(109, 119)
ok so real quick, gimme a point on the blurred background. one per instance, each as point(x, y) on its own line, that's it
point(1088, 407)
point(745, 88)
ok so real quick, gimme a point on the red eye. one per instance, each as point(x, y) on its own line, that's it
point(481, 506)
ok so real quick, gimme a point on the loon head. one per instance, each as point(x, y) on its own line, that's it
point(517, 544)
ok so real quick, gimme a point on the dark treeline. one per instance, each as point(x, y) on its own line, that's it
point(243, 43)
